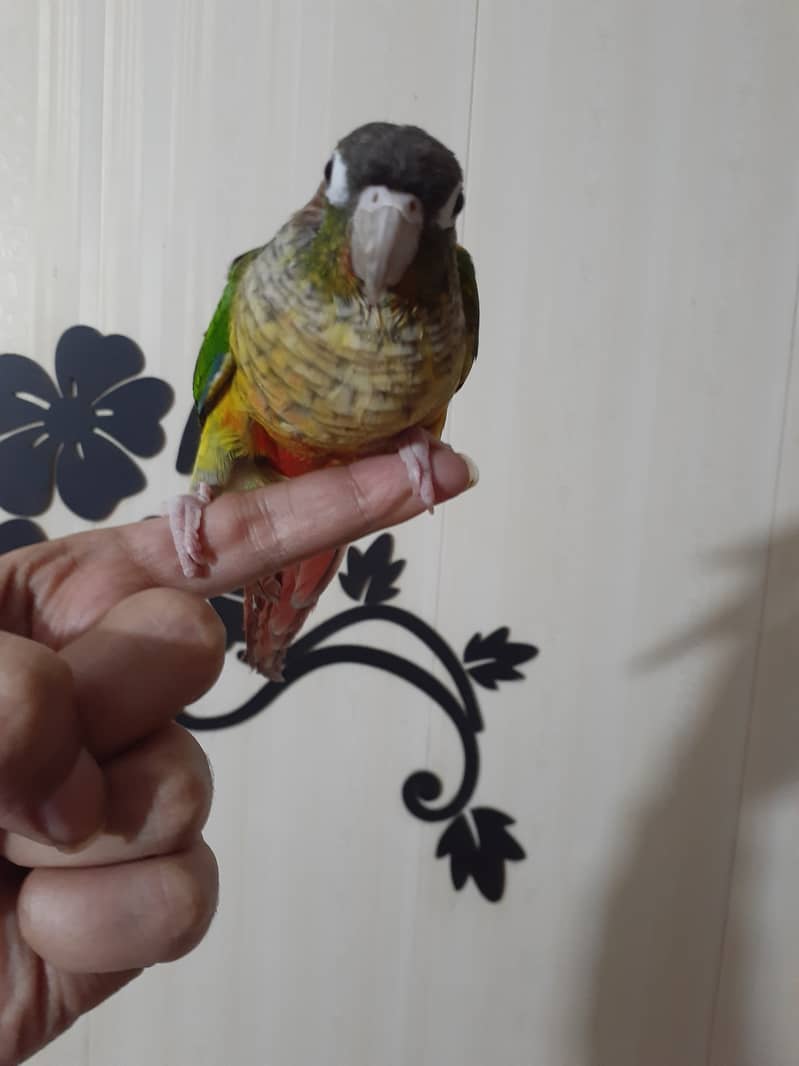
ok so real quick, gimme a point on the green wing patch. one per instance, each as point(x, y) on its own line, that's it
point(214, 364)
point(471, 301)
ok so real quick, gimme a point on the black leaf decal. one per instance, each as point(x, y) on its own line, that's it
point(496, 657)
point(370, 575)
point(457, 842)
point(482, 859)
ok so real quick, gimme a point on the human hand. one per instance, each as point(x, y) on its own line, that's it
point(103, 797)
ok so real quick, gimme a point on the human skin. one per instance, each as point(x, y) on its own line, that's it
point(103, 797)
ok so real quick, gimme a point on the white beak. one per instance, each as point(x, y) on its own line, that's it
point(386, 227)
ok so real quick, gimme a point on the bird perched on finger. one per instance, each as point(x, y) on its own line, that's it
point(346, 335)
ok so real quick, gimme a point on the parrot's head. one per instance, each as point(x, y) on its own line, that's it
point(401, 190)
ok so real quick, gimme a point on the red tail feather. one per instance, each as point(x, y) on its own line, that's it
point(275, 609)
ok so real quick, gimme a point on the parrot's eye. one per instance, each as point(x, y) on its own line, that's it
point(451, 209)
point(338, 188)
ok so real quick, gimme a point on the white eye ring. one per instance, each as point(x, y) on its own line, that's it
point(338, 188)
point(445, 218)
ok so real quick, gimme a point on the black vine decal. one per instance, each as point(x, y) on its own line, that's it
point(369, 580)
point(230, 609)
point(79, 434)
point(81, 429)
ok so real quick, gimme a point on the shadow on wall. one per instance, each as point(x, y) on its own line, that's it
point(655, 977)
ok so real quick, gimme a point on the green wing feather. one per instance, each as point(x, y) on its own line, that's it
point(471, 303)
point(215, 365)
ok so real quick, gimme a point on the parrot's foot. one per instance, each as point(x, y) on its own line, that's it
point(185, 515)
point(274, 672)
point(276, 607)
point(414, 450)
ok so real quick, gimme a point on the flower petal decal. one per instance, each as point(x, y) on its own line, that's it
point(19, 533)
point(120, 411)
point(78, 431)
point(94, 477)
point(26, 393)
point(94, 363)
point(26, 470)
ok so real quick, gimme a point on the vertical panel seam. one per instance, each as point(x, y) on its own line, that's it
point(466, 162)
point(443, 526)
point(472, 87)
point(44, 46)
point(745, 758)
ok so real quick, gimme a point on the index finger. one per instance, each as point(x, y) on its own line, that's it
point(65, 586)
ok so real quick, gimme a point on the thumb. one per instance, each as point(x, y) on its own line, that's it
point(51, 788)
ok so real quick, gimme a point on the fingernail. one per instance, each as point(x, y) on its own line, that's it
point(73, 813)
point(471, 466)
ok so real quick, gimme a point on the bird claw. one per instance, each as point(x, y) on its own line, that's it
point(414, 451)
point(185, 515)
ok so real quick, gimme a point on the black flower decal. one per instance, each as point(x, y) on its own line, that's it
point(79, 429)
point(483, 858)
point(19, 533)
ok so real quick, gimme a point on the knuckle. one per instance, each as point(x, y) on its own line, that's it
point(190, 889)
point(35, 687)
point(174, 608)
point(34, 679)
point(204, 628)
point(188, 794)
point(193, 621)
point(266, 535)
point(360, 502)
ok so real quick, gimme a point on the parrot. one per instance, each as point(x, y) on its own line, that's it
point(346, 335)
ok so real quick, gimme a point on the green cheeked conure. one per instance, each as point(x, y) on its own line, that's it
point(346, 335)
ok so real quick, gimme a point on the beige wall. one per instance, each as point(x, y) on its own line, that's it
point(633, 209)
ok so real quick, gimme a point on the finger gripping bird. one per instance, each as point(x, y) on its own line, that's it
point(346, 335)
